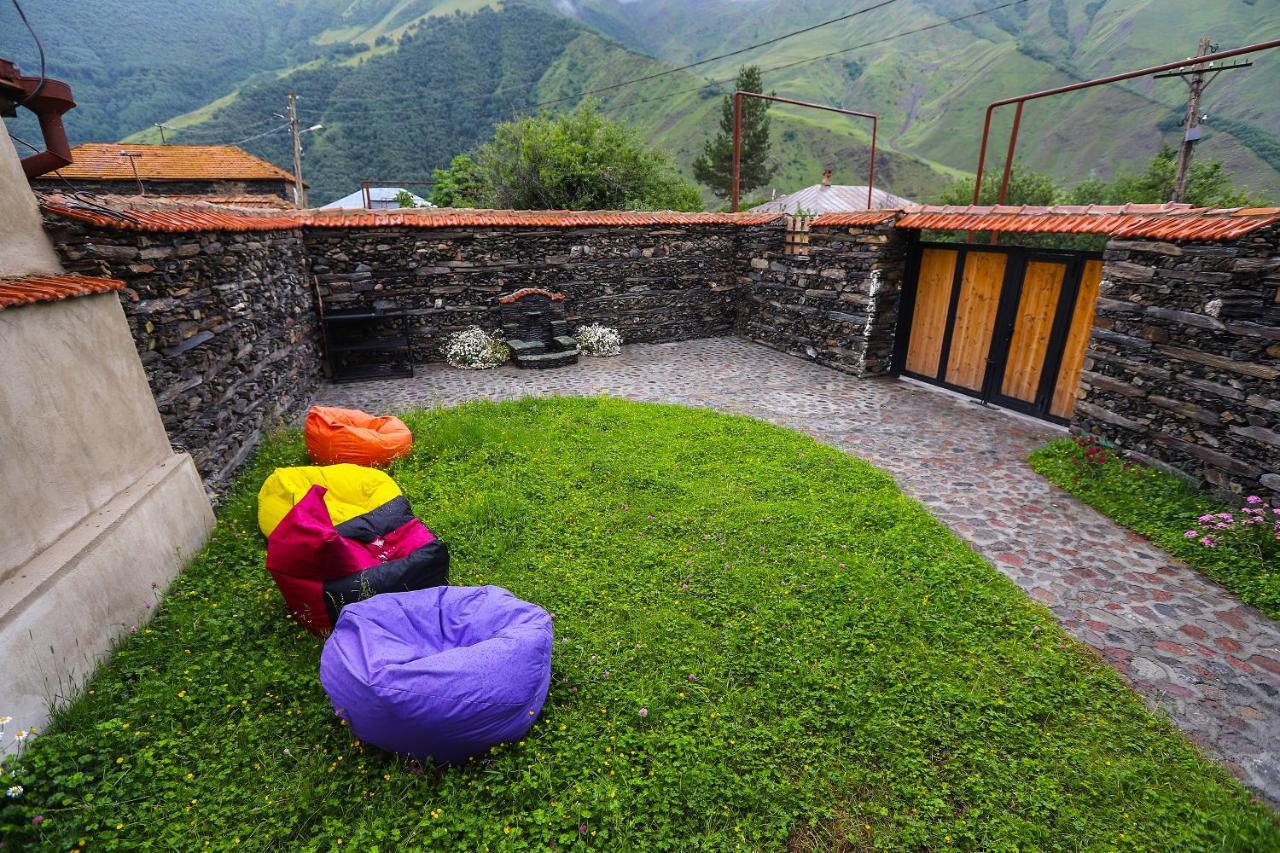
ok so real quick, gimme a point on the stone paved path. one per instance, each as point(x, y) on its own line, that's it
point(1182, 641)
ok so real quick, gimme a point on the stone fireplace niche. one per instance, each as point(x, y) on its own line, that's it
point(534, 327)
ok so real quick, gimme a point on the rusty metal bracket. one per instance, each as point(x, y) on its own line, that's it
point(1074, 87)
point(48, 99)
point(737, 136)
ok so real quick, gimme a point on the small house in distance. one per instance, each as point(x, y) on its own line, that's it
point(215, 173)
point(379, 198)
point(826, 198)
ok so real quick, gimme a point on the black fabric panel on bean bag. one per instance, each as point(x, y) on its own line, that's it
point(426, 567)
point(377, 522)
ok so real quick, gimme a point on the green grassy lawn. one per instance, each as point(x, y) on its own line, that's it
point(1162, 508)
point(821, 663)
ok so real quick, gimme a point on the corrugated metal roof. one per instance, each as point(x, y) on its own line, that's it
point(51, 288)
point(106, 161)
point(837, 198)
point(379, 198)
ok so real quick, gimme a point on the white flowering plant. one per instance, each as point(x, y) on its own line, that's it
point(598, 340)
point(475, 349)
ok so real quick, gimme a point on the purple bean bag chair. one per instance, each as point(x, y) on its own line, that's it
point(441, 673)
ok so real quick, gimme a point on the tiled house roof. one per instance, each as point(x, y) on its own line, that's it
point(106, 161)
point(51, 288)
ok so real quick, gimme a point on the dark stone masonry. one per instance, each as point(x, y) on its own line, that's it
point(1183, 369)
point(225, 324)
point(666, 283)
point(1182, 372)
point(837, 305)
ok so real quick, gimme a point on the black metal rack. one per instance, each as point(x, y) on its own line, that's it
point(368, 342)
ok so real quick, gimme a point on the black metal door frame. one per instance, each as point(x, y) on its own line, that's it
point(1003, 326)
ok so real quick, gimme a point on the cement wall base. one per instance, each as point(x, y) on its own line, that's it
point(62, 612)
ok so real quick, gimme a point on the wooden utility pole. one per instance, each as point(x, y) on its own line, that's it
point(299, 192)
point(1197, 82)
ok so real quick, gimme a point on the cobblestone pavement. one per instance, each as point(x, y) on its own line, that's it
point(1184, 643)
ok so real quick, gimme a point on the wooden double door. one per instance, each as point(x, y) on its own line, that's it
point(1008, 325)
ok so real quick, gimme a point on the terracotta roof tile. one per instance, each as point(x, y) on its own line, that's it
point(1163, 221)
point(105, 161)
point(168, 215)
point(864, 217)
point(51, 288)
point(273, 202)
point(1170, 222)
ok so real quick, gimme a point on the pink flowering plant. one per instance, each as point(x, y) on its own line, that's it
point(1254, 527)
point(1236, 546)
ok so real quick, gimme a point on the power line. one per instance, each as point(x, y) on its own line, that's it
point(668, 71)
point(39, 50)
point(358, 111)
point(709, 59)
point(823, 56)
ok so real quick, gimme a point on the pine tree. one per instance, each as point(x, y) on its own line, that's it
point(714, 166)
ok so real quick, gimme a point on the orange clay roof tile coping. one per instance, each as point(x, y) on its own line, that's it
point(51, 288)
point(139, 214)
point(1163, 221)
point(116, 161)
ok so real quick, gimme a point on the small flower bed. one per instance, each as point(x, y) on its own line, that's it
point(1240, 549)
point(475, 349)
point(598, 340)
point(1255, 526)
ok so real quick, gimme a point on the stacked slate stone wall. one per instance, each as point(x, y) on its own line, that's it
point(280, 188)
point(1183, 367)
point(837, 305)
point(660, 283)
point(225, 324)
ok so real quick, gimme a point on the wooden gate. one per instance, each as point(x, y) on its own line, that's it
point(1007, 325)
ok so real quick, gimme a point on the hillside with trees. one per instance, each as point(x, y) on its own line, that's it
point(403, 86)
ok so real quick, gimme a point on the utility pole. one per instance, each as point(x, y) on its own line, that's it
point(163, 127)
point(1197, 82)
point(299, 193)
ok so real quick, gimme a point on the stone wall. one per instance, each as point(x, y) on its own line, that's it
point(837, 305)
point(280, 188)
point(225, 325)
point(1183, 367)
point(660, 283)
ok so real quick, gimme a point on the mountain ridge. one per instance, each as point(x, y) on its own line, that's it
point(929, 88)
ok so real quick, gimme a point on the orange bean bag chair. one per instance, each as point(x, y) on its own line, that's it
point(335, 436)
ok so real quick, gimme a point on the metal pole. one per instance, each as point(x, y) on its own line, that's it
point(299, 194)
point(737, 148)
point(1192, 120)
point(1008, 159)
point(871, 180)
point(737, 134)
point(1101, 81)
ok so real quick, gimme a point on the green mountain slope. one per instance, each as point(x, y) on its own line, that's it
point(134, 62)
point(219, 70)
point(397, 113)
point(931, 88)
